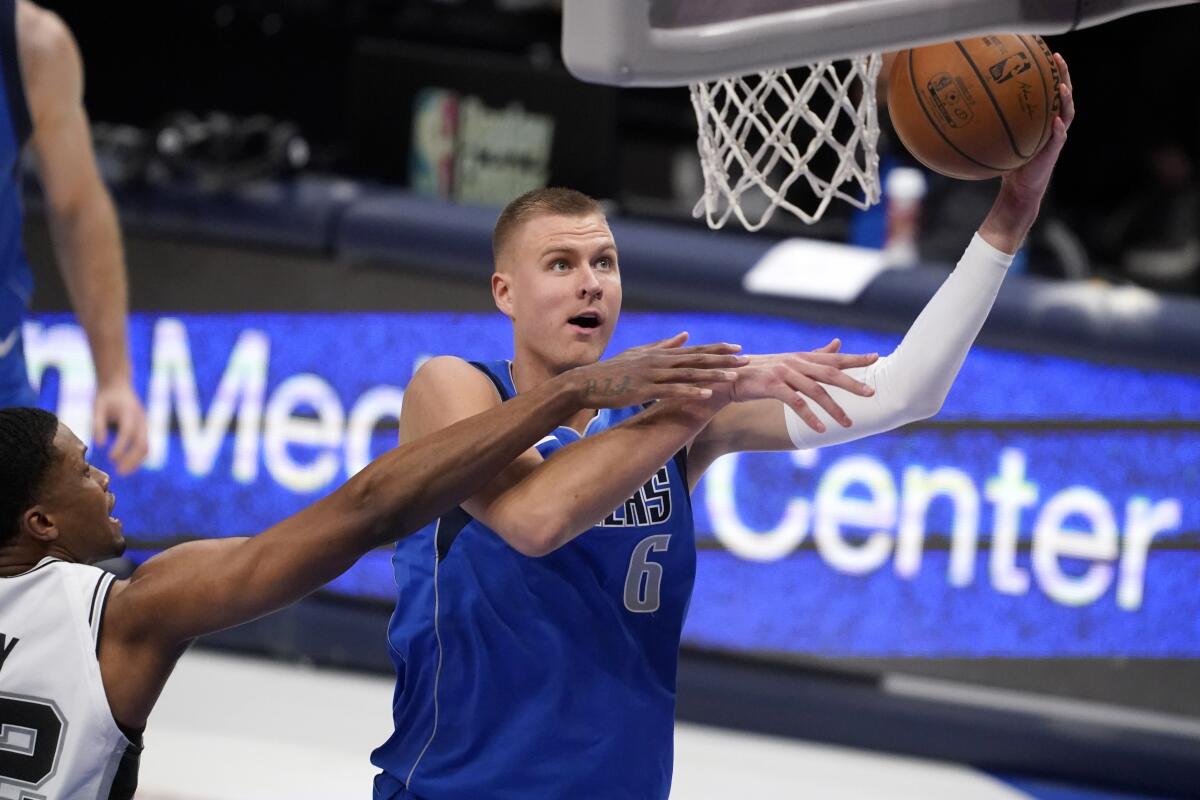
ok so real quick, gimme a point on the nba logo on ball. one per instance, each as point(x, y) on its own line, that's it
point(1010, 67)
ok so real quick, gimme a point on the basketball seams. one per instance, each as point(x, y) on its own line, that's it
point(912, 75)
point(1012, 140)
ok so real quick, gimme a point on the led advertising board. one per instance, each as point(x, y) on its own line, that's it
point(1052, 508)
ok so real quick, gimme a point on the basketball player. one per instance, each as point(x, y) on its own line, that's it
point(537, 641)
point(41, 82)
point(83, 656)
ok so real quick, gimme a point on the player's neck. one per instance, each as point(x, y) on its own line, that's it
point(15, 560)
point(529, 372)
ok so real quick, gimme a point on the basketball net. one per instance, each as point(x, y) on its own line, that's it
point(762, 133)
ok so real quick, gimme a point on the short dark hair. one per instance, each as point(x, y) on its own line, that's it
point(540, 202)
point(27, 453)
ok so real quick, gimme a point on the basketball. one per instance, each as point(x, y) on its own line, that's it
point(975, 108)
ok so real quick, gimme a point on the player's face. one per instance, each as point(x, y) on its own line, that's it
point(559, 282)
point(77, 500)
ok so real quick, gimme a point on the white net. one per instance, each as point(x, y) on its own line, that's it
point(788, 139)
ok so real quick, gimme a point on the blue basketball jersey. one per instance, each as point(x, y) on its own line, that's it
point(548, 677)
point(16, 281)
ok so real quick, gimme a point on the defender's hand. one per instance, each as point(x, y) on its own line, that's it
point(790, 377)
point(660, 371)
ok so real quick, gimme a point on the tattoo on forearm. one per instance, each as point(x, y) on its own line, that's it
point(609, 387)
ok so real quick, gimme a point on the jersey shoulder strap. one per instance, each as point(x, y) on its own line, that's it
point(500, 374)
point(92, 585)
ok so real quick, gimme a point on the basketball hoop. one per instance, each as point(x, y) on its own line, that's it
point(761, 134)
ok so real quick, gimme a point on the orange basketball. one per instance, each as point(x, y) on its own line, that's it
point(975, 108)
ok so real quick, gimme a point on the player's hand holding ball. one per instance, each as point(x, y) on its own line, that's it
point(997, 105)
point(1016, 208)
point(1033, 178)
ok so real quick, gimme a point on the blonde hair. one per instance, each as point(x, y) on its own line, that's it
point(537, 203)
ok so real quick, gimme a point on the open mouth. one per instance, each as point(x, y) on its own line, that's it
point(588, 319)
point(112, 502)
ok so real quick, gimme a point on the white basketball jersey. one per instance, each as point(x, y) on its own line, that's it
point(58, 738)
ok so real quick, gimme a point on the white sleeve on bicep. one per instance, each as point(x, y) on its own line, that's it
point(913, 381)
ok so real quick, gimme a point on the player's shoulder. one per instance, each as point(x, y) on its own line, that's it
point(134, 608)
point(450, 374)
point(41, 33)
point(50, 64)
point(443, 391)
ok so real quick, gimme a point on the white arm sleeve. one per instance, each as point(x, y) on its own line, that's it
point(913, 381)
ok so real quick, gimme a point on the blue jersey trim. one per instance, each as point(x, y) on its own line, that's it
point(499, 384)
point(441, 653)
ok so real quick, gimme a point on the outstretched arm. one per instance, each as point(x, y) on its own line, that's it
point(912, 382)
point(535, 505)
point(83, 223)
point(204, 586)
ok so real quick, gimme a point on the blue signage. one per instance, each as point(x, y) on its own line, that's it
point(1052, 508)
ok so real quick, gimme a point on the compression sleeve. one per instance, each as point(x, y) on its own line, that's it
point(912, 382)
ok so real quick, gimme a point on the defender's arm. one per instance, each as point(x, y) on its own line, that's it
point(536, 506)
point(205, 586)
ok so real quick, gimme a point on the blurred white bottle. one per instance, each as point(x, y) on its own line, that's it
point(904, 189)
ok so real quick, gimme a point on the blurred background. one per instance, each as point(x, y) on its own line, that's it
point(307, 189)
point(357, 81)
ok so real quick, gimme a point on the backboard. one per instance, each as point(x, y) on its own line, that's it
point(677, 42)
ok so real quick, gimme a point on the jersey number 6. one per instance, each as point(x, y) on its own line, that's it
point(643, 582)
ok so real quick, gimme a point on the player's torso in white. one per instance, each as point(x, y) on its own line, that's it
point(58, 738)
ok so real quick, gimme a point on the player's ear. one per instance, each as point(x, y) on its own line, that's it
point(502, 293)
point(39, 524)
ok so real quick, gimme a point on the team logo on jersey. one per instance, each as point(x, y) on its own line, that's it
point(650, 505)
